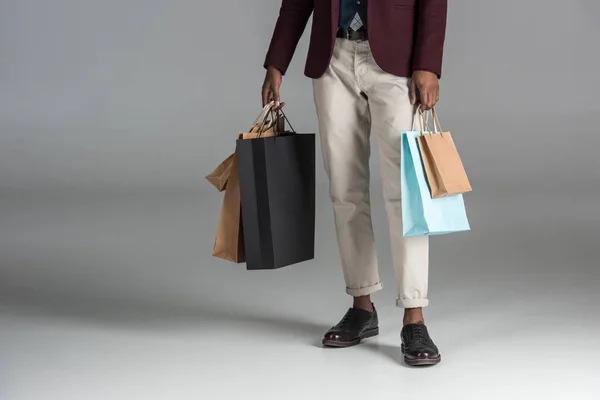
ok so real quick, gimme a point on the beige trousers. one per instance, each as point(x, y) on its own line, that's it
point(354, 98)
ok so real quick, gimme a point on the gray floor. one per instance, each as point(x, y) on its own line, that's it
point(108, 294)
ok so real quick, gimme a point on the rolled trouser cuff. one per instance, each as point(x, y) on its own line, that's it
point(412, 303)
point(364, 291)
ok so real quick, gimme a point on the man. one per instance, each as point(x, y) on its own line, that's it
point(371, 62)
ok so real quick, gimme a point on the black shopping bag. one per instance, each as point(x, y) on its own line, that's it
point(277, 184)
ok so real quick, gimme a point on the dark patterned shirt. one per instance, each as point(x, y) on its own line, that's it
point(353, 14)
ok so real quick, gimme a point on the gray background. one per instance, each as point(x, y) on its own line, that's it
point(112, 112)
point(132, 93)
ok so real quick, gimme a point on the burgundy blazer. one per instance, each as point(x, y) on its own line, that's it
point(404, 35)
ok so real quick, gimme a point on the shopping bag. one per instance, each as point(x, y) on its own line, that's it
point(421, 214)
point(277, 182)
point(229, 241)
point(220, 175)
point(443, 167)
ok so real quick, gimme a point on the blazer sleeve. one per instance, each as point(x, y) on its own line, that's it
point(431, 33)
point(293, 17)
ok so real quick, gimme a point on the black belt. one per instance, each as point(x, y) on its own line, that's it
point(349, 34)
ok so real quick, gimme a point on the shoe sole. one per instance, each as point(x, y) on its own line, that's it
point(420, 362)
point(340, 344)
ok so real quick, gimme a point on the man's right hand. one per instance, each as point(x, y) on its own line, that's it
point(270, 89)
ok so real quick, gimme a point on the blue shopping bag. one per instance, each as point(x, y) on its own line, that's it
point(422, 215)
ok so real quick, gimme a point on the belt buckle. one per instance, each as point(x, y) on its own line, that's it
point(345, 33)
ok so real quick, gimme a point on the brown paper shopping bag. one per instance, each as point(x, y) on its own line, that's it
point(444, 169)
point(229, 242)
point(220, 175)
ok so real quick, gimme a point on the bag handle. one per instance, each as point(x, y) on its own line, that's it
point(286, 119)
point(262, 116)
point(265, 110)
point(275, 115)
point(424, 119)
point(436, 119)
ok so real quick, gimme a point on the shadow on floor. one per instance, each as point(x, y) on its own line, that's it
point(159, 317)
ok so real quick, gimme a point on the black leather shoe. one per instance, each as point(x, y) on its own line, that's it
point(417, 346)
point(357, 324)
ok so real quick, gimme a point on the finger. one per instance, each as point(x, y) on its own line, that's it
point(421, 97)
point(275, 90)
point(266, 92)
point(437, 95)
point(413, 92)
point(425, 99)
point(431, 98)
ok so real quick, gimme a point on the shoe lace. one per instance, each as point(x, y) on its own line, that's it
point(419, 334)
point(349, 317)
point(419, 337)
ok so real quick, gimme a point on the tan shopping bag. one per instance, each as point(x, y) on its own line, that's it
point(444, 169)
point(220, 175)
point(229, 242)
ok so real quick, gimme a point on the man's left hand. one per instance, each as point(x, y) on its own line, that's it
point(424, 88)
